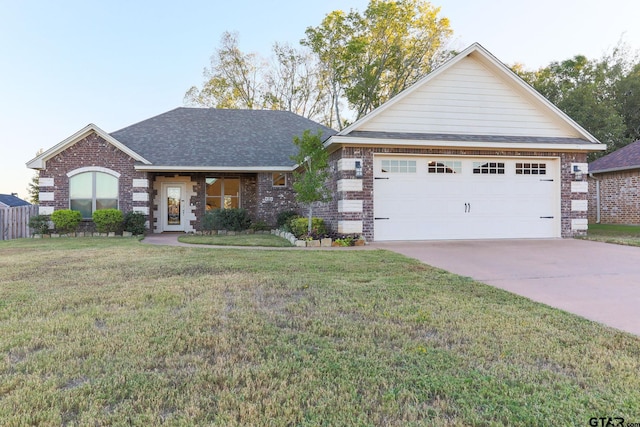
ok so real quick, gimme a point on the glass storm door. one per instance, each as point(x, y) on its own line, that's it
point(173, 207)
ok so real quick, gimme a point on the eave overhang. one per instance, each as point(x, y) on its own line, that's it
point(338, 141)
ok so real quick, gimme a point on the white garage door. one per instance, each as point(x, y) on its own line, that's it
point(424, 198)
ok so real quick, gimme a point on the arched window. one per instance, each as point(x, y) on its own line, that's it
point(92, 190)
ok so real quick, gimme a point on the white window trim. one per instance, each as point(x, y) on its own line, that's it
point(221, 196)
point(93, 169)
point(286, 180)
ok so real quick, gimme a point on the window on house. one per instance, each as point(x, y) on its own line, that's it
point(490, 168)
point(222, 193)
point(279, 179)
point(531, 169)
point(398, 166)
point(446, 166)
point(90, 191)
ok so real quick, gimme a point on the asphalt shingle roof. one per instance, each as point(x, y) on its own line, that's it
point(464, 137)
point(12, 201)
point(208, 137)
point(627, 157)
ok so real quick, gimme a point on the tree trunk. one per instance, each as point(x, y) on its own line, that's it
point(310, 215)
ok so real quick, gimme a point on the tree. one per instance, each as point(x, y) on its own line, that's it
point(34, 189)
point(356, 62)
point(293, 83)
point(34, 186)
point(628, 103)
point(234, 79)
point(330, 43)
point(313, 159)
point(589, 92)
point(371, 57)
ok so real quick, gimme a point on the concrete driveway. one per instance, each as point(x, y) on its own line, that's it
point(595, 280)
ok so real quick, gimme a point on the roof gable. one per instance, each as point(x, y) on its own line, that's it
point(627, 157)
point(39, 162)
point(472, 94)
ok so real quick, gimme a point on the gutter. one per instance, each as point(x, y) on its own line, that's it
point(597, 197)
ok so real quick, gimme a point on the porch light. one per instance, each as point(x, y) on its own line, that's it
point(358, 169)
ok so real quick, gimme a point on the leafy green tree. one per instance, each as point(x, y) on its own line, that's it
point(313, 160)
point(628, 103)
point(34, 189)
point(588, 91)
point(373, 56)
point(330, 43)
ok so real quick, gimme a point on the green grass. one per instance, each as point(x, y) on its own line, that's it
point(615, 233)
point(114, 332)
point(268, 240)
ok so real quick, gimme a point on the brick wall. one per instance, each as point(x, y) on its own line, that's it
point(619, 197)
point(270, 200)
point(91, 151)
point(329, 211)
point(333, 217)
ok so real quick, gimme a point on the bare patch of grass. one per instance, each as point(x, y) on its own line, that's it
point(108, 331)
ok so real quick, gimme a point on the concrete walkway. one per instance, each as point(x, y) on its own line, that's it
point(598, 281)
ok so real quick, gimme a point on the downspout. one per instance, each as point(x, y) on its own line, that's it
point(597, 198)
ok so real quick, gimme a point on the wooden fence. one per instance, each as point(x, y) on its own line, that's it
point(14, 222)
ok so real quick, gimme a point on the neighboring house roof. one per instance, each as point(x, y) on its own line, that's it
point(472, 100)
point(9, 200)
point(207, 138)
point(627, 157)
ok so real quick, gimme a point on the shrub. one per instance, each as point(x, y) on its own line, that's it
point(207, 221)
point(39, 224)
point(107, 220)
point(260, 226)
point(66, 221)
point(345, 241)
point(226, 219)
point(299, 226)
point(134, 223)
point(284, 219)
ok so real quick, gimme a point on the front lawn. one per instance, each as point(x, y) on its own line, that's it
point(268, 240)
point(615, 233)
point(114, 332)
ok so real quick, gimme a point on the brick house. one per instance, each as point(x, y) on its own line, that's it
point(469, 151)
point(614, 187)
point(175, 166)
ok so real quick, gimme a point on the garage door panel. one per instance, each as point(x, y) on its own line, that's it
point(461, 204)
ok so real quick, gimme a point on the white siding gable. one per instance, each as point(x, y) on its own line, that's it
point(468, 98)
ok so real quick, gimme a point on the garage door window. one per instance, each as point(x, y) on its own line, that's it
point(490, 168)
point(531, 169)
point(445, 166)
point(398, 166)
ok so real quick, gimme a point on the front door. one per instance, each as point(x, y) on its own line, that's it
point(173, 207)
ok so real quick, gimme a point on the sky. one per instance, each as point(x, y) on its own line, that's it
point(67, 63)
